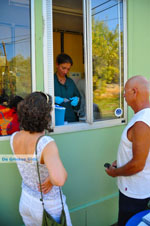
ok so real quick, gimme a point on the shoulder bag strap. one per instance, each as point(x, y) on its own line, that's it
point(40, 178)
point(38, 171)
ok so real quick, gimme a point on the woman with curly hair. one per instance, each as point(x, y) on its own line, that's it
point(34, 117)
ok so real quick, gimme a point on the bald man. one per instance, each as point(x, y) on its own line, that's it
point(133, 160)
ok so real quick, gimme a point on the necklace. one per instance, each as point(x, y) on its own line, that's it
point(62, 80)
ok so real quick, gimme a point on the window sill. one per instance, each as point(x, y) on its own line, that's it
point(79, 126)
point(7, 137)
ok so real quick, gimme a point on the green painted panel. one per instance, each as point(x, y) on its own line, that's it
point(84, 154)
point(101, 214)
point(39, 45)
point(138, 37)
point(10, 184)
point(78, 218)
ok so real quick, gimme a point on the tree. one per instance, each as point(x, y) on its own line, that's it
point(105, 47)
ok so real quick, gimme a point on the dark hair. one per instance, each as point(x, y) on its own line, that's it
point(64, 58)
point(34, 112)
point(3, 97)
point(14, 101)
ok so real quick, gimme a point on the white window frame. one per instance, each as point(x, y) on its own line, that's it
point(33, 46)
point(33, 78)
point(49, 71)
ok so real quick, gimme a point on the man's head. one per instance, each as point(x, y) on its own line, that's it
point(137, 92)
point(63, 64)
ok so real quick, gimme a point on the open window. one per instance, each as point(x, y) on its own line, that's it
point(93, 33)
point(68, 38)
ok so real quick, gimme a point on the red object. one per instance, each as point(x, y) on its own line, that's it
point(8, 121)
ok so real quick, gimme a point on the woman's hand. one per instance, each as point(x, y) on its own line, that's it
point(59, 100)
point(46, 186)
point(74, 101)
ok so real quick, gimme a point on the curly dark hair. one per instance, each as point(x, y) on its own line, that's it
point(34, 112)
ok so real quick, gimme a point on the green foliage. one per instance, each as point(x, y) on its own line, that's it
point(106, 68)
point(22, 69)
point(16, 76)
point(105, 47)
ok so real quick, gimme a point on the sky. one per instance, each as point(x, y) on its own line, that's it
point(107, 11)
point(15, 28)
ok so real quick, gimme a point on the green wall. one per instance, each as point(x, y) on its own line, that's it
point(92, 196)
point(90, 192)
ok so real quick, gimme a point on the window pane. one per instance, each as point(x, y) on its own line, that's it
point(107, 55)
point(15, 60)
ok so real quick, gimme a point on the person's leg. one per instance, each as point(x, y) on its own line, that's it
point(67, 215)
point(67, 212)
point(129, 207)
point(31, 210)
point(24, 210)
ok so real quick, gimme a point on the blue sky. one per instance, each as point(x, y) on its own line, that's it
point(107, 11)
point(15, 29)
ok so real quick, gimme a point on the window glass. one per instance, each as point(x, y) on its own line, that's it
point(15, 60)
point(107, 56)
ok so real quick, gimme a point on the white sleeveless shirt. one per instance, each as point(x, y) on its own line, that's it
point(28, 172)
point(137, 185)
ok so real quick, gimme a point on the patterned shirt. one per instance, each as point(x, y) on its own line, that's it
point(28, 172)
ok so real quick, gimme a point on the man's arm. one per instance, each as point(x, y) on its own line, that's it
point(139, 135)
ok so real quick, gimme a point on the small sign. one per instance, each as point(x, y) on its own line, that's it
point(118, 112)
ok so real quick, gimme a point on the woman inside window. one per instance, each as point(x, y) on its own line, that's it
point(66, 92)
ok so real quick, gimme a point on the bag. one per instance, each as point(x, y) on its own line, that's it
point(47, 218)
point(49, 221)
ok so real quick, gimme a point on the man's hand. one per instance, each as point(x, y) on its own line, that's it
point(111, 171)
point(114, 164)
point(46, 186)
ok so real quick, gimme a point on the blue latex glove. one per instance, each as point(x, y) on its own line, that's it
point(74, 101)
point(59, 100)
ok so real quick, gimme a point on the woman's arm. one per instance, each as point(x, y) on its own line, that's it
point(57, 172)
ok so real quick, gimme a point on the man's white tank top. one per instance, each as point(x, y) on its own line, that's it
point(137, 185)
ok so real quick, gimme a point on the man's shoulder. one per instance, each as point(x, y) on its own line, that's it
point(143, 113)
point(143, 116)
